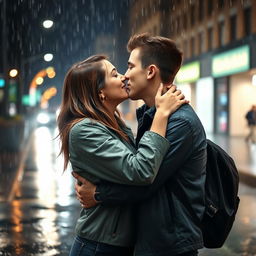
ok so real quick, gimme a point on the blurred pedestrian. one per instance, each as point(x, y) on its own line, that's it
point(251, 121)
point(100, 147)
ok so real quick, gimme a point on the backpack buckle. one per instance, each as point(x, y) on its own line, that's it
point(212, 210)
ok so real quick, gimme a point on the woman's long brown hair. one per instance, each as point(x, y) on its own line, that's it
point(80, 99)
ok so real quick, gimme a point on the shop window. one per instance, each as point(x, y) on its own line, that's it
point(221, 105)
point(221, 30)
point(247, 21)
point(201, 10)
point(233, 27)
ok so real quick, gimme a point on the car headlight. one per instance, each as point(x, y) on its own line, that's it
point(43, 118)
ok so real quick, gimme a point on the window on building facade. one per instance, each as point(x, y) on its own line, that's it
point(247, 21)
point(184, 49)
point(232, 2)
point(192, 14)
point(192, 46)
point(201, 10)
point(201, 42)
point(178, 24)
point(185, 21)
point(210, 7)
point(155, 30)
point(210, 38)
point(221, 30)
point(221, 4)
point(233, 27)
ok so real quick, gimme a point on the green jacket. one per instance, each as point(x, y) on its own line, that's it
point(97, 153)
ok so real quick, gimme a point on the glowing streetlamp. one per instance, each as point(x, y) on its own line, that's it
point(48, 23)
point(13, 73)
point(39, 80)
point(47, 95)
point(48, 57)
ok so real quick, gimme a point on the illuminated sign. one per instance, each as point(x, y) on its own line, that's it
point(188, 73)
point(231, 62)
point(2, 82)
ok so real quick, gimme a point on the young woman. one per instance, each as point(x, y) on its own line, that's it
point(100, 147)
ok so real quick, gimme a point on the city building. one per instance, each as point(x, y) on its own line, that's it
point(218, 40)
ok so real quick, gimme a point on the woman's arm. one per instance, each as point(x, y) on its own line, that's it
point(94, 152)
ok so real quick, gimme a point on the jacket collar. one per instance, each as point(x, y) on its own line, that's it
point(145, 112)
point(145, 116)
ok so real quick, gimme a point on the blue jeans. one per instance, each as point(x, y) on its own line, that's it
point(84, 247)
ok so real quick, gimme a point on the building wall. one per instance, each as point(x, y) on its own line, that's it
point(191, 27)
point(149, 16)
point(202, 29)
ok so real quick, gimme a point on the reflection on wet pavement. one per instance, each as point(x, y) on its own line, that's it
point(41, 219)
point(242, 239)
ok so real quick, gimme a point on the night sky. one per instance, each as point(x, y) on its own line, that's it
point(78, 26)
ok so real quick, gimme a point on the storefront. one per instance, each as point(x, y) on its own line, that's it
point(205, 103)
point(199, 91)
point(186, 78)
point(234, 91)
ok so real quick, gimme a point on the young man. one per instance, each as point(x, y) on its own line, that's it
point(164, 223)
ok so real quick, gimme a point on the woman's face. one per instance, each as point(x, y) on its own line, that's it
point(114, 90)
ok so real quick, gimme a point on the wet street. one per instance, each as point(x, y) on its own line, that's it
point(40, 219)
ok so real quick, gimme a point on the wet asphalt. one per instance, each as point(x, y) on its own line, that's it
point(40, 219)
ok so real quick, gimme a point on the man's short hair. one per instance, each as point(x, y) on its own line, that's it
point(160, 51)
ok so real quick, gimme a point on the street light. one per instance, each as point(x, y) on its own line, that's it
point(48, 57)
point(48, 23)
point(39, 80)
point(13, 73)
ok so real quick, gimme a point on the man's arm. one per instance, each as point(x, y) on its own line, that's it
point(179, 135)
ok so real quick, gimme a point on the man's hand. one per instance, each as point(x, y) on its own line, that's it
point(85, 192)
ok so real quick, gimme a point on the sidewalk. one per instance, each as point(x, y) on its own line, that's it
point(243, 153)
point(12, 164)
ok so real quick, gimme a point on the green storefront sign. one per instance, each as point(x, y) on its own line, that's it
point(188, 73)
point(231, 62)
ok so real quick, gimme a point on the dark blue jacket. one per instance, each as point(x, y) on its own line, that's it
point(164, 224)
point(251, 117)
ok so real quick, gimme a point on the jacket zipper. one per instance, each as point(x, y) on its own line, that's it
point(116, 223)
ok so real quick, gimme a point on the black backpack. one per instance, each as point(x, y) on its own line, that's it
point(221, 197)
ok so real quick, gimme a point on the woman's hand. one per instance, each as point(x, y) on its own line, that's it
point(170, 101)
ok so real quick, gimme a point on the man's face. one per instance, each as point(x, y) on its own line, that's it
point(137, 76)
